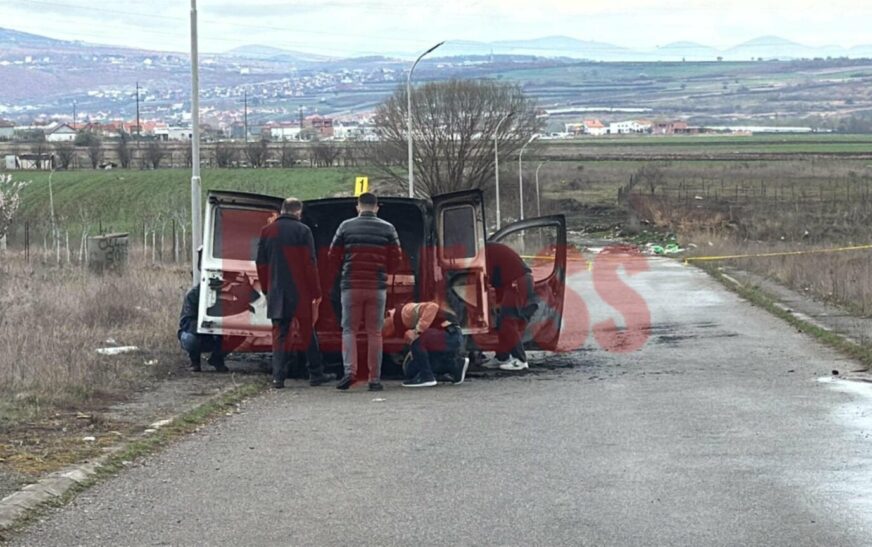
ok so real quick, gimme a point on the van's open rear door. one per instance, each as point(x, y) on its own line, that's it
point(231, 303)
point(541, 242)
point(460, 254)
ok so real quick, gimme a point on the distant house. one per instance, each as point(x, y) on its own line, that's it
point(669, 128)
point(594, 127)
point(629, 127)
point(7, 130)
point(283, 131)
point(61, 133)
point(163, 132)
point(323, 127)
point(573, 128)
point(353, 130)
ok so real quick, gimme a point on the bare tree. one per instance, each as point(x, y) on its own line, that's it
point(287, 156)
point(65, 152)
point(453, 130)
point(95, 151)
point(324, 153)
point(651, 176)
point(257, 152)
point(189, 154)
point(225, 155)
point(41, 149)
point(154, 154)
point(122, 149)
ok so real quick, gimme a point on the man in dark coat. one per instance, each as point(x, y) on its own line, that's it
point(288, 275)
point(368, 249)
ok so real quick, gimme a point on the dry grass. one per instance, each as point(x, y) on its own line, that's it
point(52, 319)
point(844, 278)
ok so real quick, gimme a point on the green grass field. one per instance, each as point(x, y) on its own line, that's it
point(121, 200)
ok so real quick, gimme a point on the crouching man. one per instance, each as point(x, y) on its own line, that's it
point(435, 340)
point(197, 344)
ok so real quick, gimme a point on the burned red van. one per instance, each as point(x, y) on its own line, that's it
point(443, 242)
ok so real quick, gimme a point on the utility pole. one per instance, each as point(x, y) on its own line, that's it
point(138, 132)
point(300, 136)
point(497, 163)
point(196, 230)
point(409, 119)
point(245, 113)
point(538, 201)
point(521, 174)
point(75, 118)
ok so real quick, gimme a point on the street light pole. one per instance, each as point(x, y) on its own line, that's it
point(538, 202)
point(196, 228)
point(409, 119)
point(497, 163)
point(521, 173)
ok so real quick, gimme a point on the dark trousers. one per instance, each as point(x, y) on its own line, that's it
point(197, 344)
point(515, 303)
point(434, 352)
point(287, 342)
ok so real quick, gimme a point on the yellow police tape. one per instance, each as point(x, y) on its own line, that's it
point(782, 253)
point(588, 263)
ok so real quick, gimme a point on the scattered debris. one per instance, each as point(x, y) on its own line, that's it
point(150, 362)
point(89, 439)
point(835, 372)
point(117, 350)
point(379, 400)
point(161, 423)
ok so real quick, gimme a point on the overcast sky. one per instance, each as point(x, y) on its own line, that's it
point(342, 27)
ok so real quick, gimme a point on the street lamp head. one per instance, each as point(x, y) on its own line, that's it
point(434, 47)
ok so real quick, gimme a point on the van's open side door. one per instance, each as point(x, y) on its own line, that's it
point(230, 299)
point(460, 255)
point(541, 242)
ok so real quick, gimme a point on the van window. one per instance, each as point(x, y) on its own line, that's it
point(237, 231)
point(537, 246)
point(458, 232)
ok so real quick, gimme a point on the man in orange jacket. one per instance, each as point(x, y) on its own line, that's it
point(434, 339)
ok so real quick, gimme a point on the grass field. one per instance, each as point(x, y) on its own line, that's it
point(122, 200)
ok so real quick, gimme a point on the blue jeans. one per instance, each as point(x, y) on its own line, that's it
point(434, 352)
point(195, 344)
point(363, 308)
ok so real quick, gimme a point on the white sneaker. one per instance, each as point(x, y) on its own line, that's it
point(514, 365)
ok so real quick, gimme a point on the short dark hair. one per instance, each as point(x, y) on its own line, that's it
point(367, 198)
point(292, 205)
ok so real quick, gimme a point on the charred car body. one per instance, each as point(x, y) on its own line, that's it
point(443, 242)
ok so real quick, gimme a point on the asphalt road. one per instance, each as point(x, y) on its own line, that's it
point(719, 431)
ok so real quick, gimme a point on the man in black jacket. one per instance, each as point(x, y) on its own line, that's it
point(367, 248)
point(288, 275)
point(194, 343)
